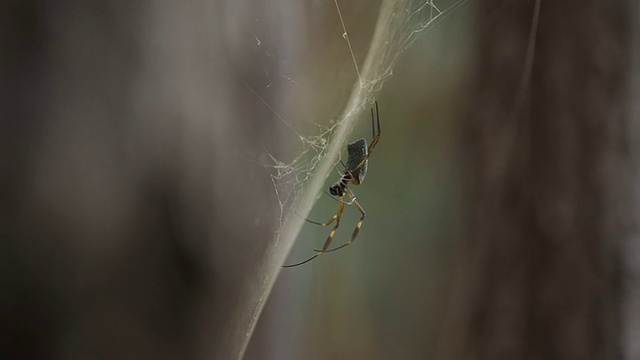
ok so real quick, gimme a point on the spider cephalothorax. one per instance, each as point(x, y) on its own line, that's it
point(354, 172)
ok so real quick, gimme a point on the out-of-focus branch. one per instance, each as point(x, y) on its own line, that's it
point(553, 185)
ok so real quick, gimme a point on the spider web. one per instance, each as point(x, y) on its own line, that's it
point(298, 183)
point(399, 25)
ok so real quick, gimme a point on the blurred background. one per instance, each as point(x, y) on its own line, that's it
point(138, 205)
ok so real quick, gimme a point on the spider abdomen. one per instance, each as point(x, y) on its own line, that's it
point(356, 154)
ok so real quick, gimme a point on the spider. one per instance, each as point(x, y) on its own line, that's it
point(354, 172)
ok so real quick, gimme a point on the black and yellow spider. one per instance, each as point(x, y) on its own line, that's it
point(354, 172)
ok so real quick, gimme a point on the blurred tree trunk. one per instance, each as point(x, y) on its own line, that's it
point(133, 216)
point(553, 164)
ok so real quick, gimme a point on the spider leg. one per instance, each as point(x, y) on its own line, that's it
point(300, 263)
point(336, 169)
point(376, 136)
point(335, 217)
point(358, 225)
point(353, 199)
point(326, 223)
point(335, 228)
